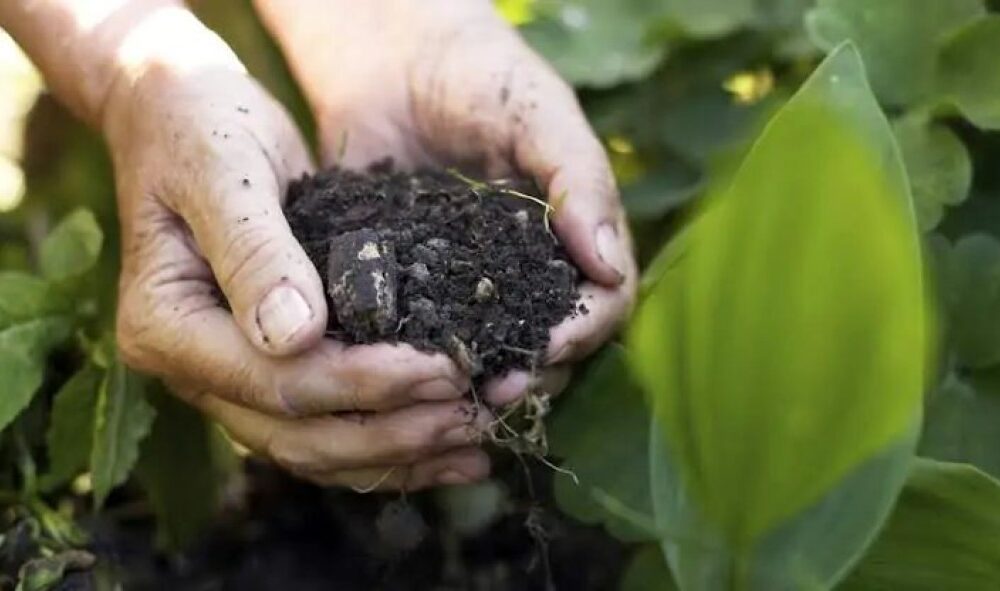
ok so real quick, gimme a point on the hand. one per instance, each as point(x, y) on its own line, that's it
point(448, 83)
point(202, 157)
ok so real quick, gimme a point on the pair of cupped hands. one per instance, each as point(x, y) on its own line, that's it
point(203, 156)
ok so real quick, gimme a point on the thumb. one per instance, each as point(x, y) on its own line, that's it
point(556, 146)
point(273, 288)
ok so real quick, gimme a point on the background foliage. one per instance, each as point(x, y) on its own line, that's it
point(679, 90)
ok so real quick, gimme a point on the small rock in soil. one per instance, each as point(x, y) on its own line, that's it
point(470, 271)
point(361, 282)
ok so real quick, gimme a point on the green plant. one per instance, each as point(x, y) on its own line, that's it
point(762, 437)
point(735, 126)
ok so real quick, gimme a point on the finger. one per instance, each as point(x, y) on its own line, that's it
point(512, 386)
point(273, 289)
point(356, 139)
point(323, 445)
point(170, 325)
point(554, 143)
point(582, 334)
point(461, 466)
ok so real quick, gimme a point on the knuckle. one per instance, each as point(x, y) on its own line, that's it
point(249, 248)
point(412, 443)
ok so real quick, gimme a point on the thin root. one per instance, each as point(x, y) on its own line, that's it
point(371, 488)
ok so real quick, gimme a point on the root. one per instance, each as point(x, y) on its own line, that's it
point(477, 186)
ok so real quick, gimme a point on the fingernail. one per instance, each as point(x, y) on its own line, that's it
point(436, 389)
point(452, 477)
point(611, 250)
point(282, 313)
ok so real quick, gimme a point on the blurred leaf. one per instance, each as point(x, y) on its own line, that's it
point(943, 534)
point(23, 348)
point(71, 248)
point(24, 297)
point(711, 18)
point(812, 550)
point(597, 429)
point(183, 468)
point(898, 39)
point(968, 73)
point(46, 573)
point(962, 422)
point(472, 508)
point(596, 43)
point(648, 571)
point(70, 435)
point(971, 287)
point(789, 347)
point(938, 165)
point(123, 419)
point(656, 194)
point(516, 12)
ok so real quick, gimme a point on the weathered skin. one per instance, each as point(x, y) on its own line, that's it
point(202, 156)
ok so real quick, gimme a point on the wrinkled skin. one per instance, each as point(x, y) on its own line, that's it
point(202, 157)
point(439, 82)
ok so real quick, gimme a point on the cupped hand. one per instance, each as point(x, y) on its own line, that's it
point(202, 156)
point(440, 82)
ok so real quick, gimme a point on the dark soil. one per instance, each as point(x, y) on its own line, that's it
point(438, 261)
point(287, 534)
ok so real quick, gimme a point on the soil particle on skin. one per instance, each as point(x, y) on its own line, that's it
point(467, 269)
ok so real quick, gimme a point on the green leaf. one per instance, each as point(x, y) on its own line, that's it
point(647, 571)
point(711, 18)
point(70, 435)
point(124, 418)
point(596, 43)
point(943, 534)
point(598, 429)
point(23, 348)
point(183, 468)
point(24, 297)
point(788, 346)
point(967, 72)
point(898, 39)
point(962, 422)
point(41, 574)
point(971, 285)
point(812, 550)
point(938, 165)
point(71, 248)
point(654, 195)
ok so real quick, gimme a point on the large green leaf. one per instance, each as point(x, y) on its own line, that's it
point(183, 466)
point(897, 38)
point(71, 248)
point(71, 426)
point(962, 422)
point(596, 43)
point(938, 165)
point(600, 431)
point(124, 418)
point(789, 348)
point(943, 535)
point(971, 289)
point(812, 550)
point(23, 348)
point(968, 73)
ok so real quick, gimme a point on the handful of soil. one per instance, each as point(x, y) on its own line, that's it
point(438, 261)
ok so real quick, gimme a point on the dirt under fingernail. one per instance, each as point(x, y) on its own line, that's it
point(475, 271)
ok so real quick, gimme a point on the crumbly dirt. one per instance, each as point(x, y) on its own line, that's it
point(459, 266)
